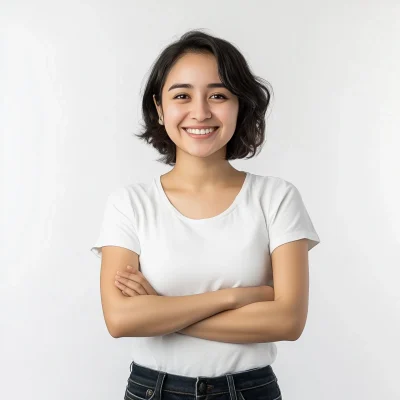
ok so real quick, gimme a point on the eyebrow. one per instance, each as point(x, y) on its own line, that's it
point(189, 86)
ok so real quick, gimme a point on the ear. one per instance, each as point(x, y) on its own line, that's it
point(157, 106)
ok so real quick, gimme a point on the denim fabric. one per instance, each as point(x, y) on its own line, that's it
point(253, 384)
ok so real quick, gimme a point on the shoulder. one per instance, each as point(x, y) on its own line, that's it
point(126, 196)
point(275, 193)
point(130, 191)
point(273, 185)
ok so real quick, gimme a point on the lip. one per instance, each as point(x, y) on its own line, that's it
point(200, 127)
point(201, 137)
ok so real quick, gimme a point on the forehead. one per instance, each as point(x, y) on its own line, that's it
point(196, 69)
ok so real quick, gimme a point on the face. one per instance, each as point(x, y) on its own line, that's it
point(198, 105)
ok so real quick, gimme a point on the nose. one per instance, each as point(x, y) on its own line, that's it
point(201, 110)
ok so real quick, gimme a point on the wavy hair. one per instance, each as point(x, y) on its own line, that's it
point(235, 74)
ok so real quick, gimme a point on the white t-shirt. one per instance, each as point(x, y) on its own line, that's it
point(181, 256)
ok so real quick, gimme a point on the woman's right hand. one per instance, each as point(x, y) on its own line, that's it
point(247, 295)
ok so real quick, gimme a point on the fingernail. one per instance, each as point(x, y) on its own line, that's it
point(129, 267)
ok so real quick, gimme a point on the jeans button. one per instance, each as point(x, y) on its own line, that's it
point(202, 387)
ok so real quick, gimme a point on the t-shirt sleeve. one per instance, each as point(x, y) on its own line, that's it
point(289, 219)
point(118, 227)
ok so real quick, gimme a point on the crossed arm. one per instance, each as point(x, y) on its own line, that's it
point(257, 322)
point(280, 318)
point(266, 321)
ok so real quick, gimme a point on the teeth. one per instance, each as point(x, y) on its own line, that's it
point(200, 131)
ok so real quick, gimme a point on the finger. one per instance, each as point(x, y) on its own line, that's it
point(133, 282)
point(128, 292)
point(145, 283)
point(138, 277)
point(130, 281)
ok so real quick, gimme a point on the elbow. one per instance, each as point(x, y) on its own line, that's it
point(125, 320)
point(112, 327)
point(120, 323)
point(112, 312)
point(290, 328)
point(118, 328)
point(114, 333)
point(293, 335)
point(114, 322)
point(296, 329)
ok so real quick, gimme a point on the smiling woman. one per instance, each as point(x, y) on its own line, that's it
point(209, 239)
point(202, 81)
point(199, 101)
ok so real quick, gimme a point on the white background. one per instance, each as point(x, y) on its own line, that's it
point(71, 76)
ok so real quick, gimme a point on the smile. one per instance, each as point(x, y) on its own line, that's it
point(201, 133)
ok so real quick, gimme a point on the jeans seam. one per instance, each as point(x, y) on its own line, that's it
point(254, 387)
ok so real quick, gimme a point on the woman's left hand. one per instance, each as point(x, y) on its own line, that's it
point(133, 283)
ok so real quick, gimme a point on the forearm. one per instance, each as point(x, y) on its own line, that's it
point(152, 315)
point(267, 321)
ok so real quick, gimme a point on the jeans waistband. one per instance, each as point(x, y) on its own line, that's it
point(202, 385)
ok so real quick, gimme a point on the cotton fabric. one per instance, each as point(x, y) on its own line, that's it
point(180, 256)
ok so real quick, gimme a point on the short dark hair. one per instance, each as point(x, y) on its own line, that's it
point(235, 74)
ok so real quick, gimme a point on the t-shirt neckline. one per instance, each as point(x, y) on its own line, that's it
point(233, 205)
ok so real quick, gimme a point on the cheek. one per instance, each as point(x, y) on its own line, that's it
point(227, 115)
point(174, 113)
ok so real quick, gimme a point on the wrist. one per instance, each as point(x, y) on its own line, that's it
point(231, 300)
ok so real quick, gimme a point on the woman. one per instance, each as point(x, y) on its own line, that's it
point(213, 288)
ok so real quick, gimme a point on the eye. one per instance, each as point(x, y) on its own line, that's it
point(216, 94)
point(176, 97)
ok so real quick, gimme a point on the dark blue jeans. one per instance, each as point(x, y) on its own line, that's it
point(253, 384)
